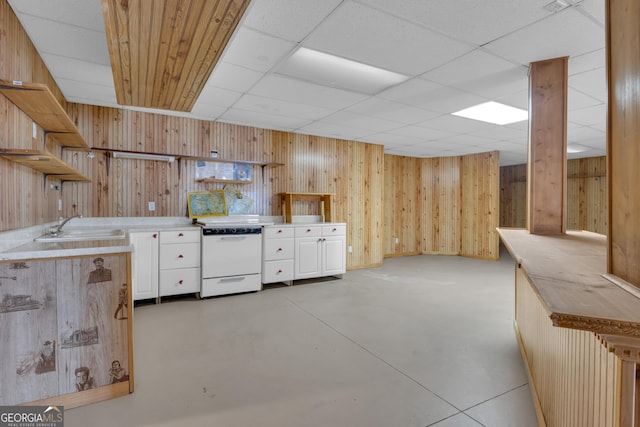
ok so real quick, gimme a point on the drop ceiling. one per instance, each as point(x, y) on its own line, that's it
point(457, 53)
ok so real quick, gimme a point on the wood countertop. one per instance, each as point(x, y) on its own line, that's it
point(567, 273)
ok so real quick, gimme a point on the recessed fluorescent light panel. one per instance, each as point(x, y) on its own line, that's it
point(494, 112)
point(322, 68)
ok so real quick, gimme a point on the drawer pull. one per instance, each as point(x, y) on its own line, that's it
point(232, 279)
point(180, 235)
point(180, 256)
point(308, 230)
point(279, 250)
point(335, 229)
point(279, 271)
point(155, 235)
point(280, 231)
point(180, 282)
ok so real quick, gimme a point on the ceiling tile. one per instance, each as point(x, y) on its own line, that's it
point(473, 21)
point(384, 109)
point(288, 89)
point(372, 124)
point(461, 125)
point(285, 108)
point(206, 111)
point(86, 13)
point(262, 120)
point(566, 33)
point(361, 33)
point(216, 96)
point(254, 50)
point(593, 83)
point(81, 71)
point(590, 115)
point(577, 100)
point(83, 92)
point(333, 130)
point(288, 19)
point(233, 77)
point(67, 40)
point(423, 133)
point(587, 62)
point(431, 96)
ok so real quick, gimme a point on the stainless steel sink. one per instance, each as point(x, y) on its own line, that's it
point(79, 234)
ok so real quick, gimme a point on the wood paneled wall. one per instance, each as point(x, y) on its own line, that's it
point(352, 171)
point(586, 195)
point(513, 196)
point(449, 203)
point(402, 207)
point(480, 205)
point(26, 200)
point(440, 210)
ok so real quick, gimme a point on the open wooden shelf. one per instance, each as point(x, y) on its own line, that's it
point(45, 162)
point(324, 200)
point(38, 102)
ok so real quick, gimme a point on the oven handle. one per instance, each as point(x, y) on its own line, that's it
point(232, 279)
point(233, 237)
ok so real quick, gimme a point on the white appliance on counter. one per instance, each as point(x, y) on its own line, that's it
point(231, 258)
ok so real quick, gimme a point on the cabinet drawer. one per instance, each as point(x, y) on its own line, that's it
point(309, 231)
point(278, 249)
point(180, 236)
point(277, 271)
point(278, 232)
point(180, 281)
point(183, 255)
point(334, 230)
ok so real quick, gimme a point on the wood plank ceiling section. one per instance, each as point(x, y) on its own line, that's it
point(162, 52)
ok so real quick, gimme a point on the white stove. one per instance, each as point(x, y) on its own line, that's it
point(231, 255)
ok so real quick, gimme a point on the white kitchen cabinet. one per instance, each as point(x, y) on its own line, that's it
point(278, 254)
point(179, 262)
point(320, 250)
point(165, 263)
point(144, 264)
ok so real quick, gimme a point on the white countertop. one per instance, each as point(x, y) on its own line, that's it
point(19, 244)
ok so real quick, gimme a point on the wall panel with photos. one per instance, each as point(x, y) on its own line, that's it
point(66, 327)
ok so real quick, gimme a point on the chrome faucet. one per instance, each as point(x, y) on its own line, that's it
point(56, 230)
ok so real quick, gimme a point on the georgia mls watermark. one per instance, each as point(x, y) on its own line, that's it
point(31, 416)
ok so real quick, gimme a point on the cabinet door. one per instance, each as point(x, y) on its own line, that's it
point(144, 262)
point(307, 259)
point(93, 321)
point(334, 257)
point(28, 332)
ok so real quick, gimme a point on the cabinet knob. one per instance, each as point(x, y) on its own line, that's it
point(155, 235)
point(279, 250)
point(180, 256)
point(180, 235)
point(280, 231)
point(180, 282)
point(308, 230)
point(279, 271)
point(335, 229)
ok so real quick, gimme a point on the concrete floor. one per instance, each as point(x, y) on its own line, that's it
point(421, 341)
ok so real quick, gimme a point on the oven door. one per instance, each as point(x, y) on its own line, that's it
point(231, 255)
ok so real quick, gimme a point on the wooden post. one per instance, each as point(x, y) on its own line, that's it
point(547, 163)
point(623, 139)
